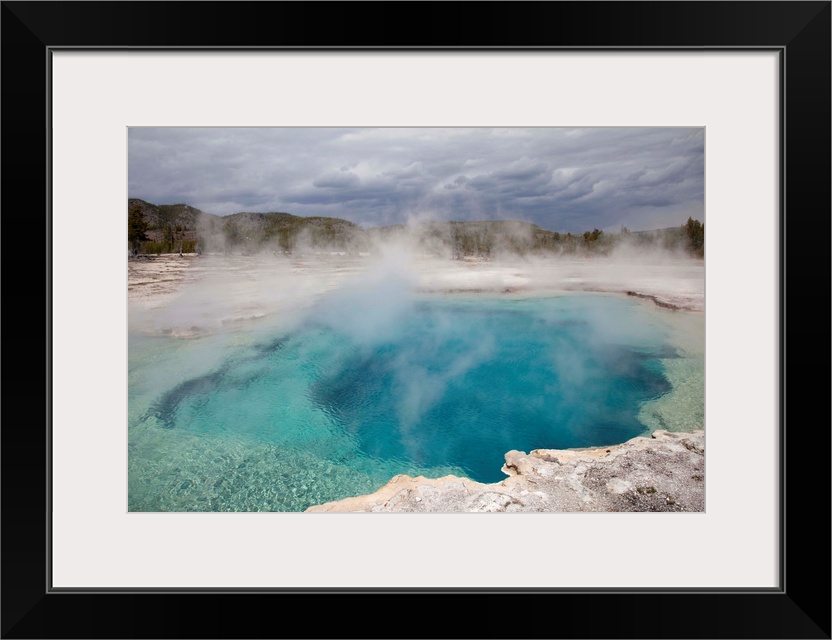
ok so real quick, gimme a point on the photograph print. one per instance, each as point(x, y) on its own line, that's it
point(426, 320)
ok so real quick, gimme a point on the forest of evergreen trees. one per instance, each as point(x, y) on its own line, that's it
point(156, 229)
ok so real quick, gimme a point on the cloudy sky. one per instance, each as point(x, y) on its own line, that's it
point(562, 179)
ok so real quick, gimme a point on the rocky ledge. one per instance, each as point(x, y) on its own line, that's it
point(663, 473)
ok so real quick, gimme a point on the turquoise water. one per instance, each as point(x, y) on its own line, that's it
point(335, 405)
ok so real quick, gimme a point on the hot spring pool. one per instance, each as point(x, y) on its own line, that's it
point(335, 404)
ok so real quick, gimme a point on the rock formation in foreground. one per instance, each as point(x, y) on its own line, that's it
point(662, 473)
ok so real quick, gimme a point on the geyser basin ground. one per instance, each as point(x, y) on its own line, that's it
point(372, 381)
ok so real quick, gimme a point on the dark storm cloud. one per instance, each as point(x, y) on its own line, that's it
point(562, 179)
point(332, 180)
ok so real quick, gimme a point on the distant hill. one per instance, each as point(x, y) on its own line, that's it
point(165, 228)
point(284, 231)
point(169, 225)
point(158, 215)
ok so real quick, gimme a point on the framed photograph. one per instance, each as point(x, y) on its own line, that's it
point(115, 111)
point(438, 298)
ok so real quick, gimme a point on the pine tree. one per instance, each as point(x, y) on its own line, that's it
point(136, 227)
point(695, 235)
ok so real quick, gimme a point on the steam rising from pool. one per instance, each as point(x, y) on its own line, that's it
point(318, 388)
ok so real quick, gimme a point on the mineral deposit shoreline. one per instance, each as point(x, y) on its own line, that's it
point(665, 472)
point(679, 286)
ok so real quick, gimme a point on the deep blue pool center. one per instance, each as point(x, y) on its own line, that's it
point(436, 382)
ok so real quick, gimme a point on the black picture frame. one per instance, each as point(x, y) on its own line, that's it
point(799, 608)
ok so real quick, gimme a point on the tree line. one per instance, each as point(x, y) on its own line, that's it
point(172, 231)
